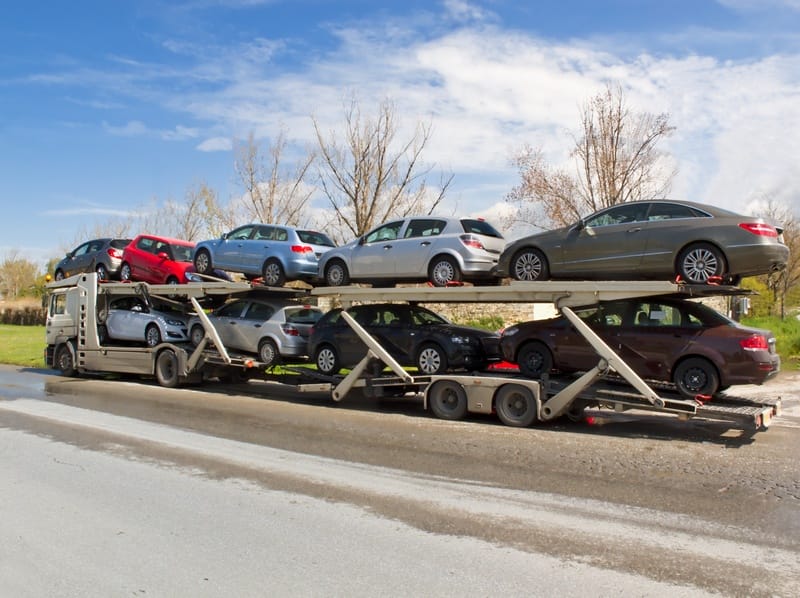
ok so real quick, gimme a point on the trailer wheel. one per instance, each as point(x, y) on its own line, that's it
point(64, 361)
point(267, 351)
point(448, 400)
point(534, 360)
point(167, 368)
point(515, 405)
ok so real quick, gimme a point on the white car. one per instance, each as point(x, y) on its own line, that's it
point(131, 319)
point(417, 249)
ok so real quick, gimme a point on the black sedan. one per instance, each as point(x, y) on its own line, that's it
point(672, 340)
point(650, 240)
point(413, 335)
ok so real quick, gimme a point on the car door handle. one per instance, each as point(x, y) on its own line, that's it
point(387, 246)
point(257, 325)
point(635, 230)
point(425, 243)
point(232, 323)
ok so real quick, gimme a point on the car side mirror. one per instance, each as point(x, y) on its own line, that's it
point(362, 240)
point(224, 236)
point(162, 255)
point(69, 255)
point(580, 225)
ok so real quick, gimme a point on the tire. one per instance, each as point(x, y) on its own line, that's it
point(197, 334)
point(336, 274)
point(152, 335)
point(273, 273)
point(443, 270)
point(529, 264)
point(327, 360)
point(59, 275)
point(102, 272)
point(125, 271)
point(431, 359)
point(167, 368)
point(64, 361)
point(700, 261)
point(534, 360)
point(267, 352)
point(696, 376)
point(515, 405)
point(202, 262)
point(448, 400)
point(172, 280)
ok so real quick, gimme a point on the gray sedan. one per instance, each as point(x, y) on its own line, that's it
point(650, 240)
point(422, 248)
point(272, 252)
point(270, 328)
point(131, 319)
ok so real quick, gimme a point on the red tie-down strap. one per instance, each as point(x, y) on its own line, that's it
point(702, 399)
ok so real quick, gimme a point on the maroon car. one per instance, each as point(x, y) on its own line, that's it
point(668, 339)
point(158, 260)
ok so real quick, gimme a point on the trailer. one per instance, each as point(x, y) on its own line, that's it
point(76, 307)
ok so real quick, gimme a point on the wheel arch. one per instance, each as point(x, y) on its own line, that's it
point(711, 242)
point(708, 356)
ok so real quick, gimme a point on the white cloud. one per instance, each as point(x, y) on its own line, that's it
point(216, 144)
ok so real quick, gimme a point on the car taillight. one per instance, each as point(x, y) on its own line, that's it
point(117, 253)
point(755, 342)
point(302, 249)
point(759, 228)
point(471, 241)
point(290, 330)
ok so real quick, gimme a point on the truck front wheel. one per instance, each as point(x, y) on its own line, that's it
point(64, 361)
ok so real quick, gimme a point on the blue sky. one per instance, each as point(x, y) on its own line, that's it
point(108, 105)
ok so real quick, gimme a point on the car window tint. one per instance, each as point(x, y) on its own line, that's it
point(423, 317)
point(480, 227)
point(669, 211)
point(231, 310)
point(120, 243)
point(315, 238)
point(241, 233)
point(424, 227)
point(613, 314)
point(303, 315)
point(387, 232)
point(629, 212)
point(81, 249)
point(95, 246)
point(259, 311)
point(281, 234)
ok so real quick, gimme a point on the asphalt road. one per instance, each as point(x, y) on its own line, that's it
point(124, 488)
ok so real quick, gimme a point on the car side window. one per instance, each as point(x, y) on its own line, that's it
point(612, 314)
point(58, 305)
point(264, 233)
point(232, 310)
point(668, 211)
point(241, 234)
point(281, 234)
point(426, 227)
point(387, 232)
point(259, 311)
point(629, 212)
point(146, 244)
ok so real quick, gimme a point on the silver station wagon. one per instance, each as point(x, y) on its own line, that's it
point(273, 252)
point(417, 249)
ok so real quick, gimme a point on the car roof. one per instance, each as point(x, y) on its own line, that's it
point(170, 240)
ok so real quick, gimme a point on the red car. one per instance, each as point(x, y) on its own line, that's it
point(158, 260)
point(661, 338)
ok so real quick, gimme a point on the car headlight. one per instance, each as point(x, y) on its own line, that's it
point(510, 331)
point(175, 323)
point(192, 277)
point(461, 340)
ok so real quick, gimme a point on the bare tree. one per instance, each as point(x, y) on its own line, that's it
point(273, 194)
point(616, 160)
point(18, 276)
point(371, 176)
point(780, 283)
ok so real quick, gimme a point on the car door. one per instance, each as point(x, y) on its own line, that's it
point(669, 226)
point(80, 260)
point(374, 255)
point(415, 245)
point(571, 350)
point(608, 244)
point(254, 325)
point(228, 252)
point(143, 260)
point(391, 326)
point(227, 322)
point(127, 319)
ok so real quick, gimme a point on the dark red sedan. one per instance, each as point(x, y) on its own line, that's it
point(157, 260)
point(684, 342)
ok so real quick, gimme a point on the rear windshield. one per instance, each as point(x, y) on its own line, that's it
point(480, 227)
point(120, 243)
point(313, 237)
point(303, 315)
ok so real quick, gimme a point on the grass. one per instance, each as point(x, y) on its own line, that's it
point(22, 345)
point(787, 335)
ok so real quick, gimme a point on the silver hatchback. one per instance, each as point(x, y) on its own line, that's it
point(130, 319)
point(270, 328)
point(417, 249)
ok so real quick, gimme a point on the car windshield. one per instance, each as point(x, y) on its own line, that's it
point(182, 253)
point(480, 227)
point(315, 238)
